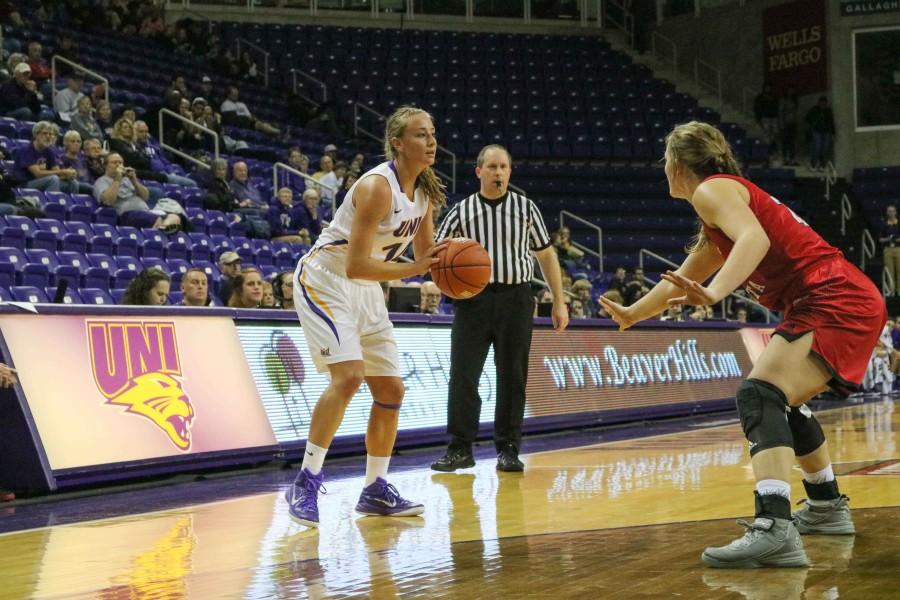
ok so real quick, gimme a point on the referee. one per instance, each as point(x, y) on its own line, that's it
point(511, 228)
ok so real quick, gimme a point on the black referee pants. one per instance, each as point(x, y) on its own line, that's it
point(500, 315)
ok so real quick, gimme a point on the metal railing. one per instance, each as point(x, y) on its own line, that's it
point(748, 97)
point(625, 23)
point(359, 128)
point(295, 73)
point(830, 177)
point(79, 68)
point(162, 142)
point(517, 189)
point(846, 213)
point(644, 252)
point(573, 217)
point(867, 248)
point(313, 181)
point(709, 77)
point(261, 51)
point(658, 41)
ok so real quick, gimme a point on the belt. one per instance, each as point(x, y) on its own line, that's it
point(502, 287)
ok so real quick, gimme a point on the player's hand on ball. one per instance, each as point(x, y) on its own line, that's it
point(694, 293)
point(431, 257)
point(620, 314)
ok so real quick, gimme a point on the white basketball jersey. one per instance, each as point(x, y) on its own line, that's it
point(393, 234)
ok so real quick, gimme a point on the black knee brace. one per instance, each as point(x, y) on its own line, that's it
point(762, 408)
point(805, 428)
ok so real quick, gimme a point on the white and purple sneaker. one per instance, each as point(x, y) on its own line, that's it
point(382, 499)
point(303, 498)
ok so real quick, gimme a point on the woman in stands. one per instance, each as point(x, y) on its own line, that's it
point(149, 288)
point(342, 311)
point(247, 290)
point(833, 315)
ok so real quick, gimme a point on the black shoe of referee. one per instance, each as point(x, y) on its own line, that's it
point(508, 460)
point(455, 458)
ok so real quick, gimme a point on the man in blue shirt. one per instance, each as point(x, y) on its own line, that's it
point(295, 223)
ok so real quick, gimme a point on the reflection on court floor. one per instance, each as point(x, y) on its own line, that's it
point(618, 520)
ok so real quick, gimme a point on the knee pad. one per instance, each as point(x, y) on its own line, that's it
point(805, 429)
point(762, 408)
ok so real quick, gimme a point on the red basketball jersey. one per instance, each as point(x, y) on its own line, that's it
point(794, 247)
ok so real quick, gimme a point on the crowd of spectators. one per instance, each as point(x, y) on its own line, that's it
point(779, 117)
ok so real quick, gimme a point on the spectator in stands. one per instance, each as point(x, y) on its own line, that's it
point(283, 288)
point(583, 290)
point(230, 267)
point(40, 70)
point(195, 288)
point(636, 287)
point(247, 290)
point(268, 296)
point(149, 288)
point(820, 121)
point(323, 120)
point(299, 161)
point(19, 96)
point(12, 62)
point(104, 118)
point(83, 121)
point(675, 313)
point(66, 101)
point(765, 110)
point(129, 113)
point(889, 236)
point(122, 142)
point(349, 180)
point(66, 48)
point(219, 195)
point(741, 315)
point(120, 188)
point(619, 282)
point(185, 135)
point(179, 85)
point(332, 151)
point(613, 295)
point(576, 309)
point(295, 224)
point(73, 158)
point(247, 193)
point(430, 299)
point(158, 162)
point(356, 164)
point(206, 91)
point(789, 120)
point(36, 164)
point(340, 172)
point(326, 176)
point(234, 112)
point(569, 255)
point(94, 159)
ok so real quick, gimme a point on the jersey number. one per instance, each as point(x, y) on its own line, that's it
point(793, 214)
point(392, 251)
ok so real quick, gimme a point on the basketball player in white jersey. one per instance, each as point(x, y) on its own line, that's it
point(341, 307)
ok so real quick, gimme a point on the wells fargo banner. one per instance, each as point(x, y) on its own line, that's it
point(114, 389)
point(794, 47)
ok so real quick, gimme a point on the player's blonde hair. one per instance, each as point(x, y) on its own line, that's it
point(703, 150)
point(428, 180)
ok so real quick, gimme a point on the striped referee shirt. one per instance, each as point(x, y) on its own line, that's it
point(510, 228)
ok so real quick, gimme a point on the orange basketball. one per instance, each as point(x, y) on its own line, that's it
point(463, 270)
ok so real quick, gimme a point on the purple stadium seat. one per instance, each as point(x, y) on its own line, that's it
point(95, 296)
point(5, 296)
point(28, 294)
point(221, 243)
point(34, 274)
point(122, 278)
point(176, 249)
point(153, 262)
point(12, 236)
point(71, 296)
point(117, 295)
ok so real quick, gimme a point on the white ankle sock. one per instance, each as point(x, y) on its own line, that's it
point(773, 486)
point(313, 457)
point(376, 466)
point(823, 476)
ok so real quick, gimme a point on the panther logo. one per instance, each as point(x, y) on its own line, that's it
point(136, 365)
point(161, 399)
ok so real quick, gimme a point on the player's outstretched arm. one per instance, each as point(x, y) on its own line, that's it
point(698, 266)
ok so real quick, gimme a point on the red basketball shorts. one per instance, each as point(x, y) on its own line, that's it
point(844, 309)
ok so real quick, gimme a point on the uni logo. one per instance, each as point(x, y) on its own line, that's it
point(135, 364)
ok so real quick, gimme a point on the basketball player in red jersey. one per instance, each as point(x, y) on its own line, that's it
point(833, 315)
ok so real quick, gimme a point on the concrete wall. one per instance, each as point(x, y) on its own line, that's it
point(855, 149)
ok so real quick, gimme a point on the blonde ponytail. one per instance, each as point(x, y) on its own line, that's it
point(427, 180)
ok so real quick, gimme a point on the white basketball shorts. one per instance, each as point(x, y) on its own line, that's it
point(344, 320)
